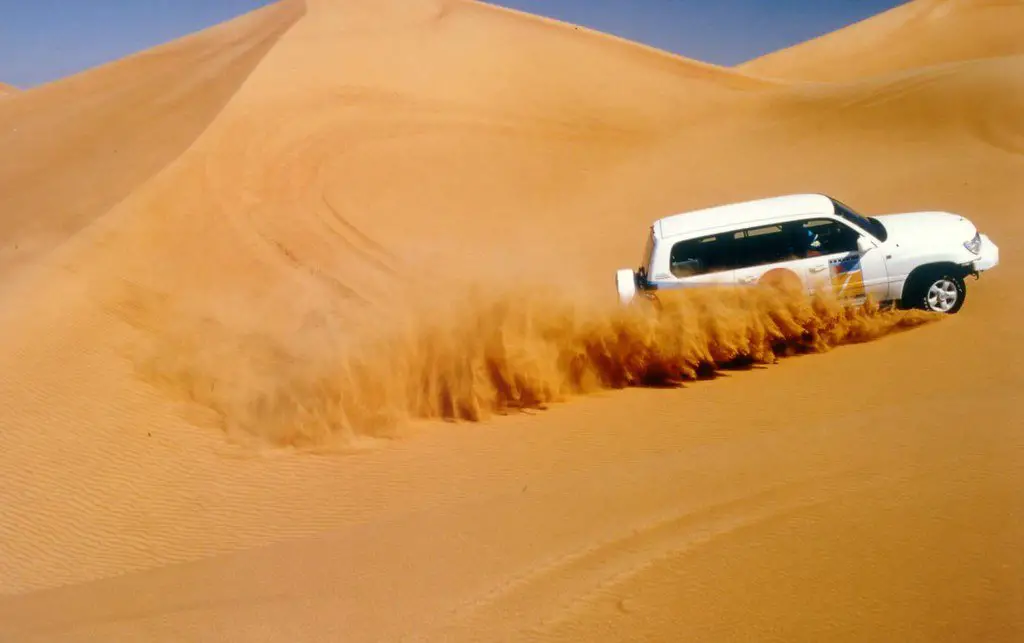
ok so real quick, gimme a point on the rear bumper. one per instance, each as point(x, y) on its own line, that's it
point(989, 256)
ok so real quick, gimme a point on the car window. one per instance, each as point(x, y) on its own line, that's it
point(871, 224)
point(764, 230)
point(828, 236)
point(768, 244)
point(703, 255)
point(761, 245)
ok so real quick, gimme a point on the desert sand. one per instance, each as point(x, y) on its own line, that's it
point(251, 277)
point(922, 33)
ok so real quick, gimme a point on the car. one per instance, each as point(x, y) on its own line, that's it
point(813, 241)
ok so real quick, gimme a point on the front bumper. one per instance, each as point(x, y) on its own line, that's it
point(988, 258)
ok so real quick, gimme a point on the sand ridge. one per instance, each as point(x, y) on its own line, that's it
point(367, 171)
point(916, 34)
point(111, 128)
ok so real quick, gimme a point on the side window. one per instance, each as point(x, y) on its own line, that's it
point(828, 236)
point(702, 256)
point(767, 244)
point(793, 240)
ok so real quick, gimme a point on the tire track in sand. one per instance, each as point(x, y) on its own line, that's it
point(366, 247)
point(282, 252)
point(549, 593)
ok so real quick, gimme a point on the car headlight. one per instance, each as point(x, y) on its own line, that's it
point(974, 245)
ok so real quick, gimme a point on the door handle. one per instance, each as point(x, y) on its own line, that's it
point(817, 268)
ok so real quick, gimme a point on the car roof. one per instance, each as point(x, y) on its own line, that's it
point(742, 213)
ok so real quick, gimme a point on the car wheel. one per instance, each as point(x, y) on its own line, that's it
point(941, 292)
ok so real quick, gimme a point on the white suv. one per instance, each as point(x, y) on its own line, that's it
point(917, 259)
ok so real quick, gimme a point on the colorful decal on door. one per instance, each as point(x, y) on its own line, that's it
point(847, 277)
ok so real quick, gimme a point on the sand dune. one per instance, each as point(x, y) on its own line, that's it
point(7, 89)
point(332, 222)
point(77, 146)
point(915, 34)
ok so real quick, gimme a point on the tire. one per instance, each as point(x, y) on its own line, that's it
point(937, 290)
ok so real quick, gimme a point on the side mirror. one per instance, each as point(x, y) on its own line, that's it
point(864, 244)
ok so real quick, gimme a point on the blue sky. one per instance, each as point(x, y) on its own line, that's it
point(42, 40)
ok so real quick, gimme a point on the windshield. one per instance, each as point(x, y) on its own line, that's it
point(869, 224)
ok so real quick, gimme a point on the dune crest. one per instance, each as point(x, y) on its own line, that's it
point(916, 34)
point(78, 146)
point(362, 15)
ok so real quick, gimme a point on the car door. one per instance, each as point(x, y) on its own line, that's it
point(834, 261)
point(771, 254)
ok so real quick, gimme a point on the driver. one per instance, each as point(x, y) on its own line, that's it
point(807, 242)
